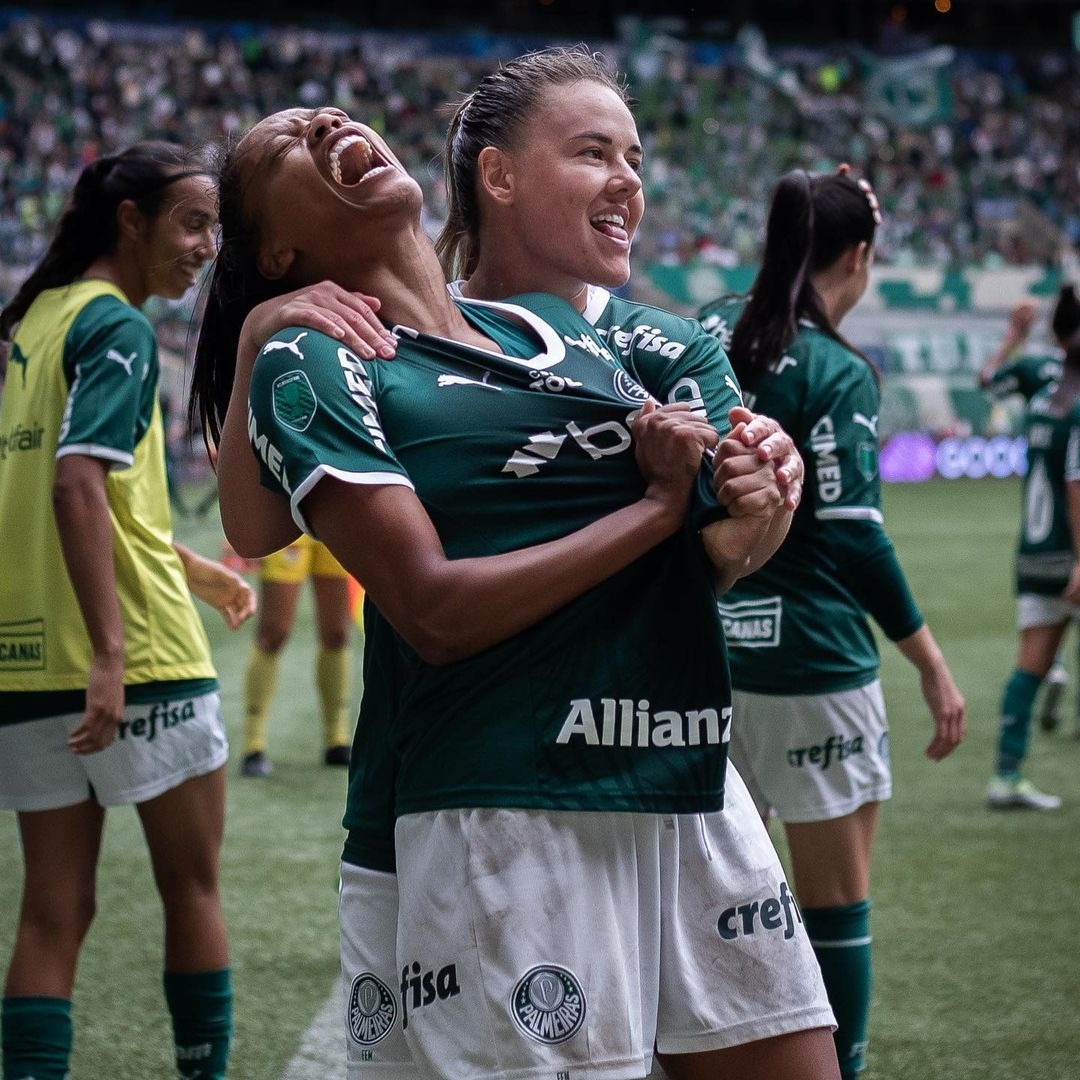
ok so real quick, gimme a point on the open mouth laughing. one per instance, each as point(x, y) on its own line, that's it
point(353, 160)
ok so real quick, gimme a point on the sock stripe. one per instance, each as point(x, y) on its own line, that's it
point(842, 943)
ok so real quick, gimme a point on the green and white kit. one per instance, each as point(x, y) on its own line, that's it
point(798, 627)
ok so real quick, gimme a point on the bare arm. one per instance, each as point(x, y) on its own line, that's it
point(449, 609)
point(1020, 319)
point(939, 691)
point(81, 507)
point(218, 586)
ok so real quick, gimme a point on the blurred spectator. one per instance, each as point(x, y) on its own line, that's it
point(718, 124)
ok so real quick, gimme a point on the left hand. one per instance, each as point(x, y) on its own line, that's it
point(1071, 595)
point(771, 444)
point(947, 709)
point(224, 590)
point(745, 485)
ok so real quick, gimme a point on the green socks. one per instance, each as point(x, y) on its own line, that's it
point(201, 1008)
point(841, 940)
point(1016, 706)
point(36, 1038)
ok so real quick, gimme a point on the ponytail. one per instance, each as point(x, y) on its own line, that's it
point(812, 221)
point(88, 227)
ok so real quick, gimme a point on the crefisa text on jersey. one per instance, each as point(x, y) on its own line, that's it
point(623, 724)
point(164, 715)
point(420, 988)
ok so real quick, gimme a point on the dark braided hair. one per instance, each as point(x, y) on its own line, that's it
point(88, 227)
point(492, 115)
point(813, 220)
point(236, 286)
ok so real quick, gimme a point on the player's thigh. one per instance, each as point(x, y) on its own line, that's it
point(830, 860)
point(1043, 621)
point(184, 828)
point(368, 917)
point(526, 941)
point(799, 1055)
point(814, 757)
point(278, 601)
point(59, 890)
point(736, 965)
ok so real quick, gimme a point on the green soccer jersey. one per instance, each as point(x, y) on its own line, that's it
point(619, 701)
point(1026, 376)
point(672, 357)
point(796, 626)
point(1044, 557)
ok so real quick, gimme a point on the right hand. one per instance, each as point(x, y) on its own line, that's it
point(104, 706)
point(669, 442)
point(348, 316)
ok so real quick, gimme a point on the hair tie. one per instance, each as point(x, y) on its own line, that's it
point(871, 198)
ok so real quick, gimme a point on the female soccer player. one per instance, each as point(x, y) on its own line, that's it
point(107, 693)
point(811, 739)
point(281, 576)
point(511, 981)
point(1008, 371)
point(1047, 578)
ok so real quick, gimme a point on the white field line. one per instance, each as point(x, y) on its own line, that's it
point(322, 1050)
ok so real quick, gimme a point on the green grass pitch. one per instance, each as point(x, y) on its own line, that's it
point(975, 916)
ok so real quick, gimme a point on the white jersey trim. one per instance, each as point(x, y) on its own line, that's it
point(596, 301)
point(846, 943)
point(378, 479)
point(850, 513)
point(119, 457)
point(552, 354)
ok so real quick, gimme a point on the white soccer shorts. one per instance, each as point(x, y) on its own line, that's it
point(543, 944)
point(368, 914)
point(1035, 609)
point(156, 748)
point(812, 757)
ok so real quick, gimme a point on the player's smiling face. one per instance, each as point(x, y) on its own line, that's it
point(323, 187)
point(180, 238)
point(578, 198)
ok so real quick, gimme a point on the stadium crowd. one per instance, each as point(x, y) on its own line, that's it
point(998, 137)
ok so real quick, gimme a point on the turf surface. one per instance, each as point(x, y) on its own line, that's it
point(975, 915)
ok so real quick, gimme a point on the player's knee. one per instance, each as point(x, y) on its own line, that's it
point(272, 639)
point(335, 639)
point(62, 918)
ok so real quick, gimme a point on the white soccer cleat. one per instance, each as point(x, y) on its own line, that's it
point(1019, 794)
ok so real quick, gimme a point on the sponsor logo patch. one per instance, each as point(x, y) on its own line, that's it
point(752, 624)
point(420, 988)
point(834, 748)
point(628, 390)
point(294, 400)
point(626, 722)
point(22, 645)
point(772, 913)
point(548, 1004)
point(372, 1009)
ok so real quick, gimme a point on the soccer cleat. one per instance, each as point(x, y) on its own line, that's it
point(1003, 793)
point(1050, 710)
point(337, 755)
point(255, 764)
